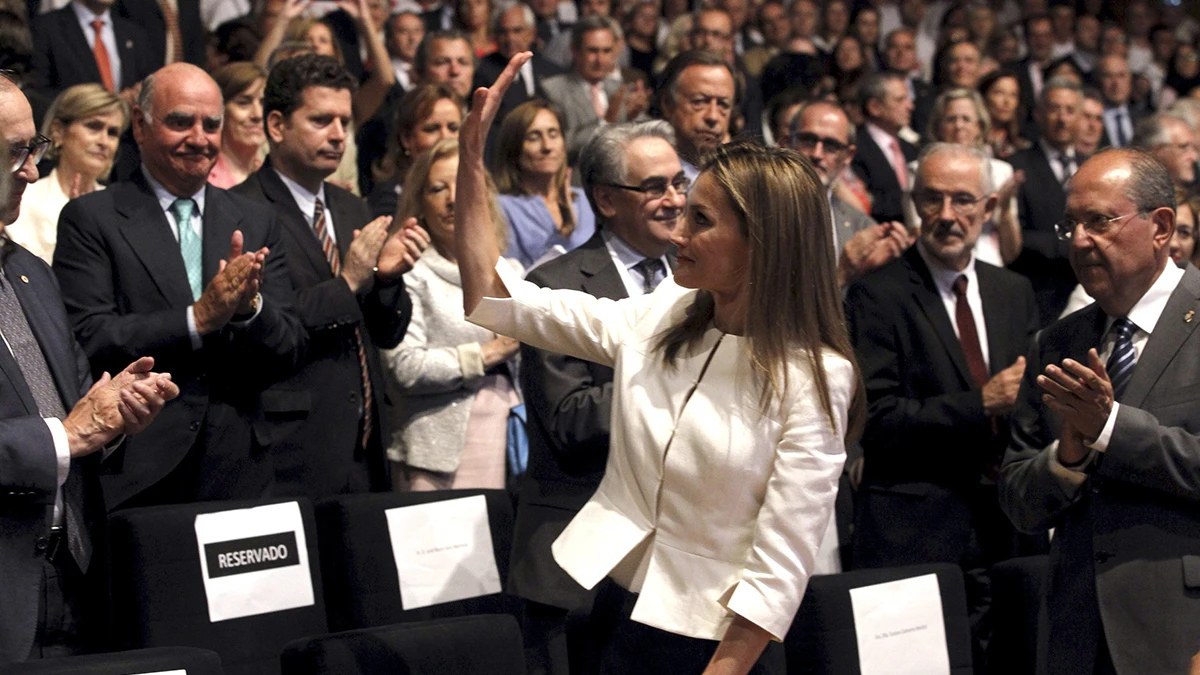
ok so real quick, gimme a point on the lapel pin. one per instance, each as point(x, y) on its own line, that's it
point(1187, 318)
point(129, 44)
point(24, 279)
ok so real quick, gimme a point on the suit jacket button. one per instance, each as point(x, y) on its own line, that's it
point(42, 543)
point(194, 426)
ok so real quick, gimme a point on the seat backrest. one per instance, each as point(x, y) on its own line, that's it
point(160, 597)
point(488, 644)
point(822, 639)
point(193, 661)
point(1018, 589)
point(361, 581)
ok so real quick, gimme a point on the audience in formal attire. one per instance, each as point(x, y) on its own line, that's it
point(514, 28)
point(1001, 92)
point(242, 135)
point(1116, 84)
point(1039, 42)
point(698, 97)
point(1172, 141)
point(446, 57)
point(587, 95)
point(881, 157)
point(405, 31)
point(83, 127)
point(122, 54)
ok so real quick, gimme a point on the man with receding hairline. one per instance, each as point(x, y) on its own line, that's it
point(169, 266)
point(1105, 446)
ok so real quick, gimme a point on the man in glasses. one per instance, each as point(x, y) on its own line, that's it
point(635, 184)
point(168, 266)
point(53, 423)
point(822, 132)
point(940, 338)
point(1104, 446)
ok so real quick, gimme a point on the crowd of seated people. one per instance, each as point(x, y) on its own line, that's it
point(261, 198)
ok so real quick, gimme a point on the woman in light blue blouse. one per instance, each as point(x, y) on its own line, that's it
point(546, 216)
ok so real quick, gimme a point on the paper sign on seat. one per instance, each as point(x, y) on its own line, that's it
point(900, 627)
point(443, 551)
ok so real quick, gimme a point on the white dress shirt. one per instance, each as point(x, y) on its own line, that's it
point(1056, 164)
point(943, 278)
point(307, 203)
point(107, 36)
point(885, 140)
point(403, 71)
point(624, 258)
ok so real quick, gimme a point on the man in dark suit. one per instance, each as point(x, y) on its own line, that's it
point(1116, 86)
point(900, 55)
point(66, 52)
point(940, 338)
point(514, 30)
point(54, 421)
point(349, 292)
point(1039, 37)
point(882, 157)
point(156, 266)
point(174, 28)
point(1105, 446)
point(569, 399)
point(1048, 165)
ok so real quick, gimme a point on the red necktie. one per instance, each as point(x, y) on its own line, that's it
point(100, 52)
point(174, 36)
point(968, 335)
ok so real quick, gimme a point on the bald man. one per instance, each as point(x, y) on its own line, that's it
point(169, 266)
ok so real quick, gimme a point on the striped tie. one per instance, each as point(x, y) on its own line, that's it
point(335, 266)
point(1124, 358)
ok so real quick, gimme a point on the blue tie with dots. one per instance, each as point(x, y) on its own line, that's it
point(1124, 358)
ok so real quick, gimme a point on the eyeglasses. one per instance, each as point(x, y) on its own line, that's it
point(36, 149)
point(807, 141)
point(930, 202)
point(656, 188)
point(1095, 226)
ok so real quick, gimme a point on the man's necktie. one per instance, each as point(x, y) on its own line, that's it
point(1123, 359)
point(1122, 138)
point(901, 164)
point(652, 271)
point(36, 372)
point(968, 334)
point(100, 52)
point(335, 265)
point(174, 36)
point(598, 103)
point(190, 246)
point(1068, 166)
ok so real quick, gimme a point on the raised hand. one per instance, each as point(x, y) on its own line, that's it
point(402, 250)
point(1083, 395)
point(484, 106)
point(359, 264)
point(232, 290)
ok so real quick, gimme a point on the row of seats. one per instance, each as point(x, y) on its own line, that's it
point(160, 599)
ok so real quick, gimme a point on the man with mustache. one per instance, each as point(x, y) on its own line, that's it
point(698, 95)
point(940, 338)
point(167, 266)
point(636, 186)
point(350, 296)
point(1104, 445)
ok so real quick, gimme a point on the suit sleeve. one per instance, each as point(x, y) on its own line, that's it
point(42, 69)
point(562, 393)
point(895, 420)
point(1144, 452)
point(1038, 242)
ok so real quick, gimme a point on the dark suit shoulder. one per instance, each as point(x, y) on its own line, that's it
point(892, 281)
point(1028, 157)
point(340, 198)
point(992, 274)
point(1063, 331)
point(566, 268)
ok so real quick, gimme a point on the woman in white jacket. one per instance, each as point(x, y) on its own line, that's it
point(734, 391)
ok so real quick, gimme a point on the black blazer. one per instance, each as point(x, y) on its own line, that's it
point(493, 64)
point(126, 292)
point(927, 438)
point(28, 466)
point(148, 14)
point(62, 58)
point(871, 164)
point(1044, 259)
point(569, 403)
point(1127, 540)
point(317, 440)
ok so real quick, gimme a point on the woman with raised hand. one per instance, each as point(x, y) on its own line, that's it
point(734, 397)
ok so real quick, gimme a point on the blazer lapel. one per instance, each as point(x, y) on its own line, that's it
point(50, 337)
point(295, 222)
point(926, 295)
point(1173, 329)
point(601, 277)
point(128, 51)
point(149, 235)
point(76, 41)
point(343, 222)
point(220, 222)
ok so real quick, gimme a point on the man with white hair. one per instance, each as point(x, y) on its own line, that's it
point(1172, 141)
point(940, 338)
point(515, 29)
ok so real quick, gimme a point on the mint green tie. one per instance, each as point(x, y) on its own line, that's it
point(189, 244)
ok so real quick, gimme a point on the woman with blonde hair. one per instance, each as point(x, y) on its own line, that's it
point(452, 389)
point(82, 130)
point(735, 395)
point(530, 168)
point(242, 136)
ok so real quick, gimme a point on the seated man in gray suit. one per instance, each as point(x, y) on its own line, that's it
point(822, 132)
point(1105, 441)
point(635, 184)
point(589, 95)
point(52, 421)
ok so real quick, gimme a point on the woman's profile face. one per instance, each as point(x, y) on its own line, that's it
point(713, 255)
point(437, 203)
point(960, 123)
point(1183, 242)
point(1002, 100)
point(244, 116)
point(90, 144)
point(321, 39)
point(443, 122)
point(544, 150)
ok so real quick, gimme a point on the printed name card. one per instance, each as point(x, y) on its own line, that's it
point(443, 551)
point(900, 627)
point(254, 561)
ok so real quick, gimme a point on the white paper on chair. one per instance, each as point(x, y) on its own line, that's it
point(443, 551)
point(900, 627)
point(254, 561)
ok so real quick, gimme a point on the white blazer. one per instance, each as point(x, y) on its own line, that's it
point(707, 508)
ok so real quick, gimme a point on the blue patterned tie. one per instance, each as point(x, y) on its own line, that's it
point(1124, 358)
point(189, 244)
